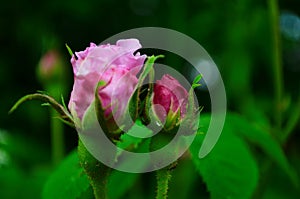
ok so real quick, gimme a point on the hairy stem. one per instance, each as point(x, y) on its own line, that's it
point(163, 177)
point(96, 171)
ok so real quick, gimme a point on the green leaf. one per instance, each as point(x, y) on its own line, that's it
point(133, 138)
point(22, 168)
point(17, 182)
point(263, 139)
point(229, 170)
point(67, 181)
point(278, 186)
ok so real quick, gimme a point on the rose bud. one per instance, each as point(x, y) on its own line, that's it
point(174, 108)
point(49, 64)
point(51, 73)
point(170, 101)
point(116, 66)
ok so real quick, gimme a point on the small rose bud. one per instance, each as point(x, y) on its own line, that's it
point(51, 73)
point(50, 66)
point(172, 98)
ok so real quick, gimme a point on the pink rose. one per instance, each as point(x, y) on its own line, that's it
point(116, 65)
point(171, 95)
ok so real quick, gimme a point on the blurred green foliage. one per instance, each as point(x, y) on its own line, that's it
point(237, 34)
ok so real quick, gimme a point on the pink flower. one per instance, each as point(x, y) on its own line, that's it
point(116, 65)
point(171, 95)
point(48, 62)
point(50, 66)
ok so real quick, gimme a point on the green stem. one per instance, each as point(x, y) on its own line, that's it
point(292, 121)
point(97, 172)
point(163, 177)
point(277, 61)
point(278, 88)
point(57, 138)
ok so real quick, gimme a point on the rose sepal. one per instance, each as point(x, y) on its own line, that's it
point(136, 106)
point(192, 117)
point(64, 114)
point(108, 124)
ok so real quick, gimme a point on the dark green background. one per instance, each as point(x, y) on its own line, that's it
point(237, 35)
